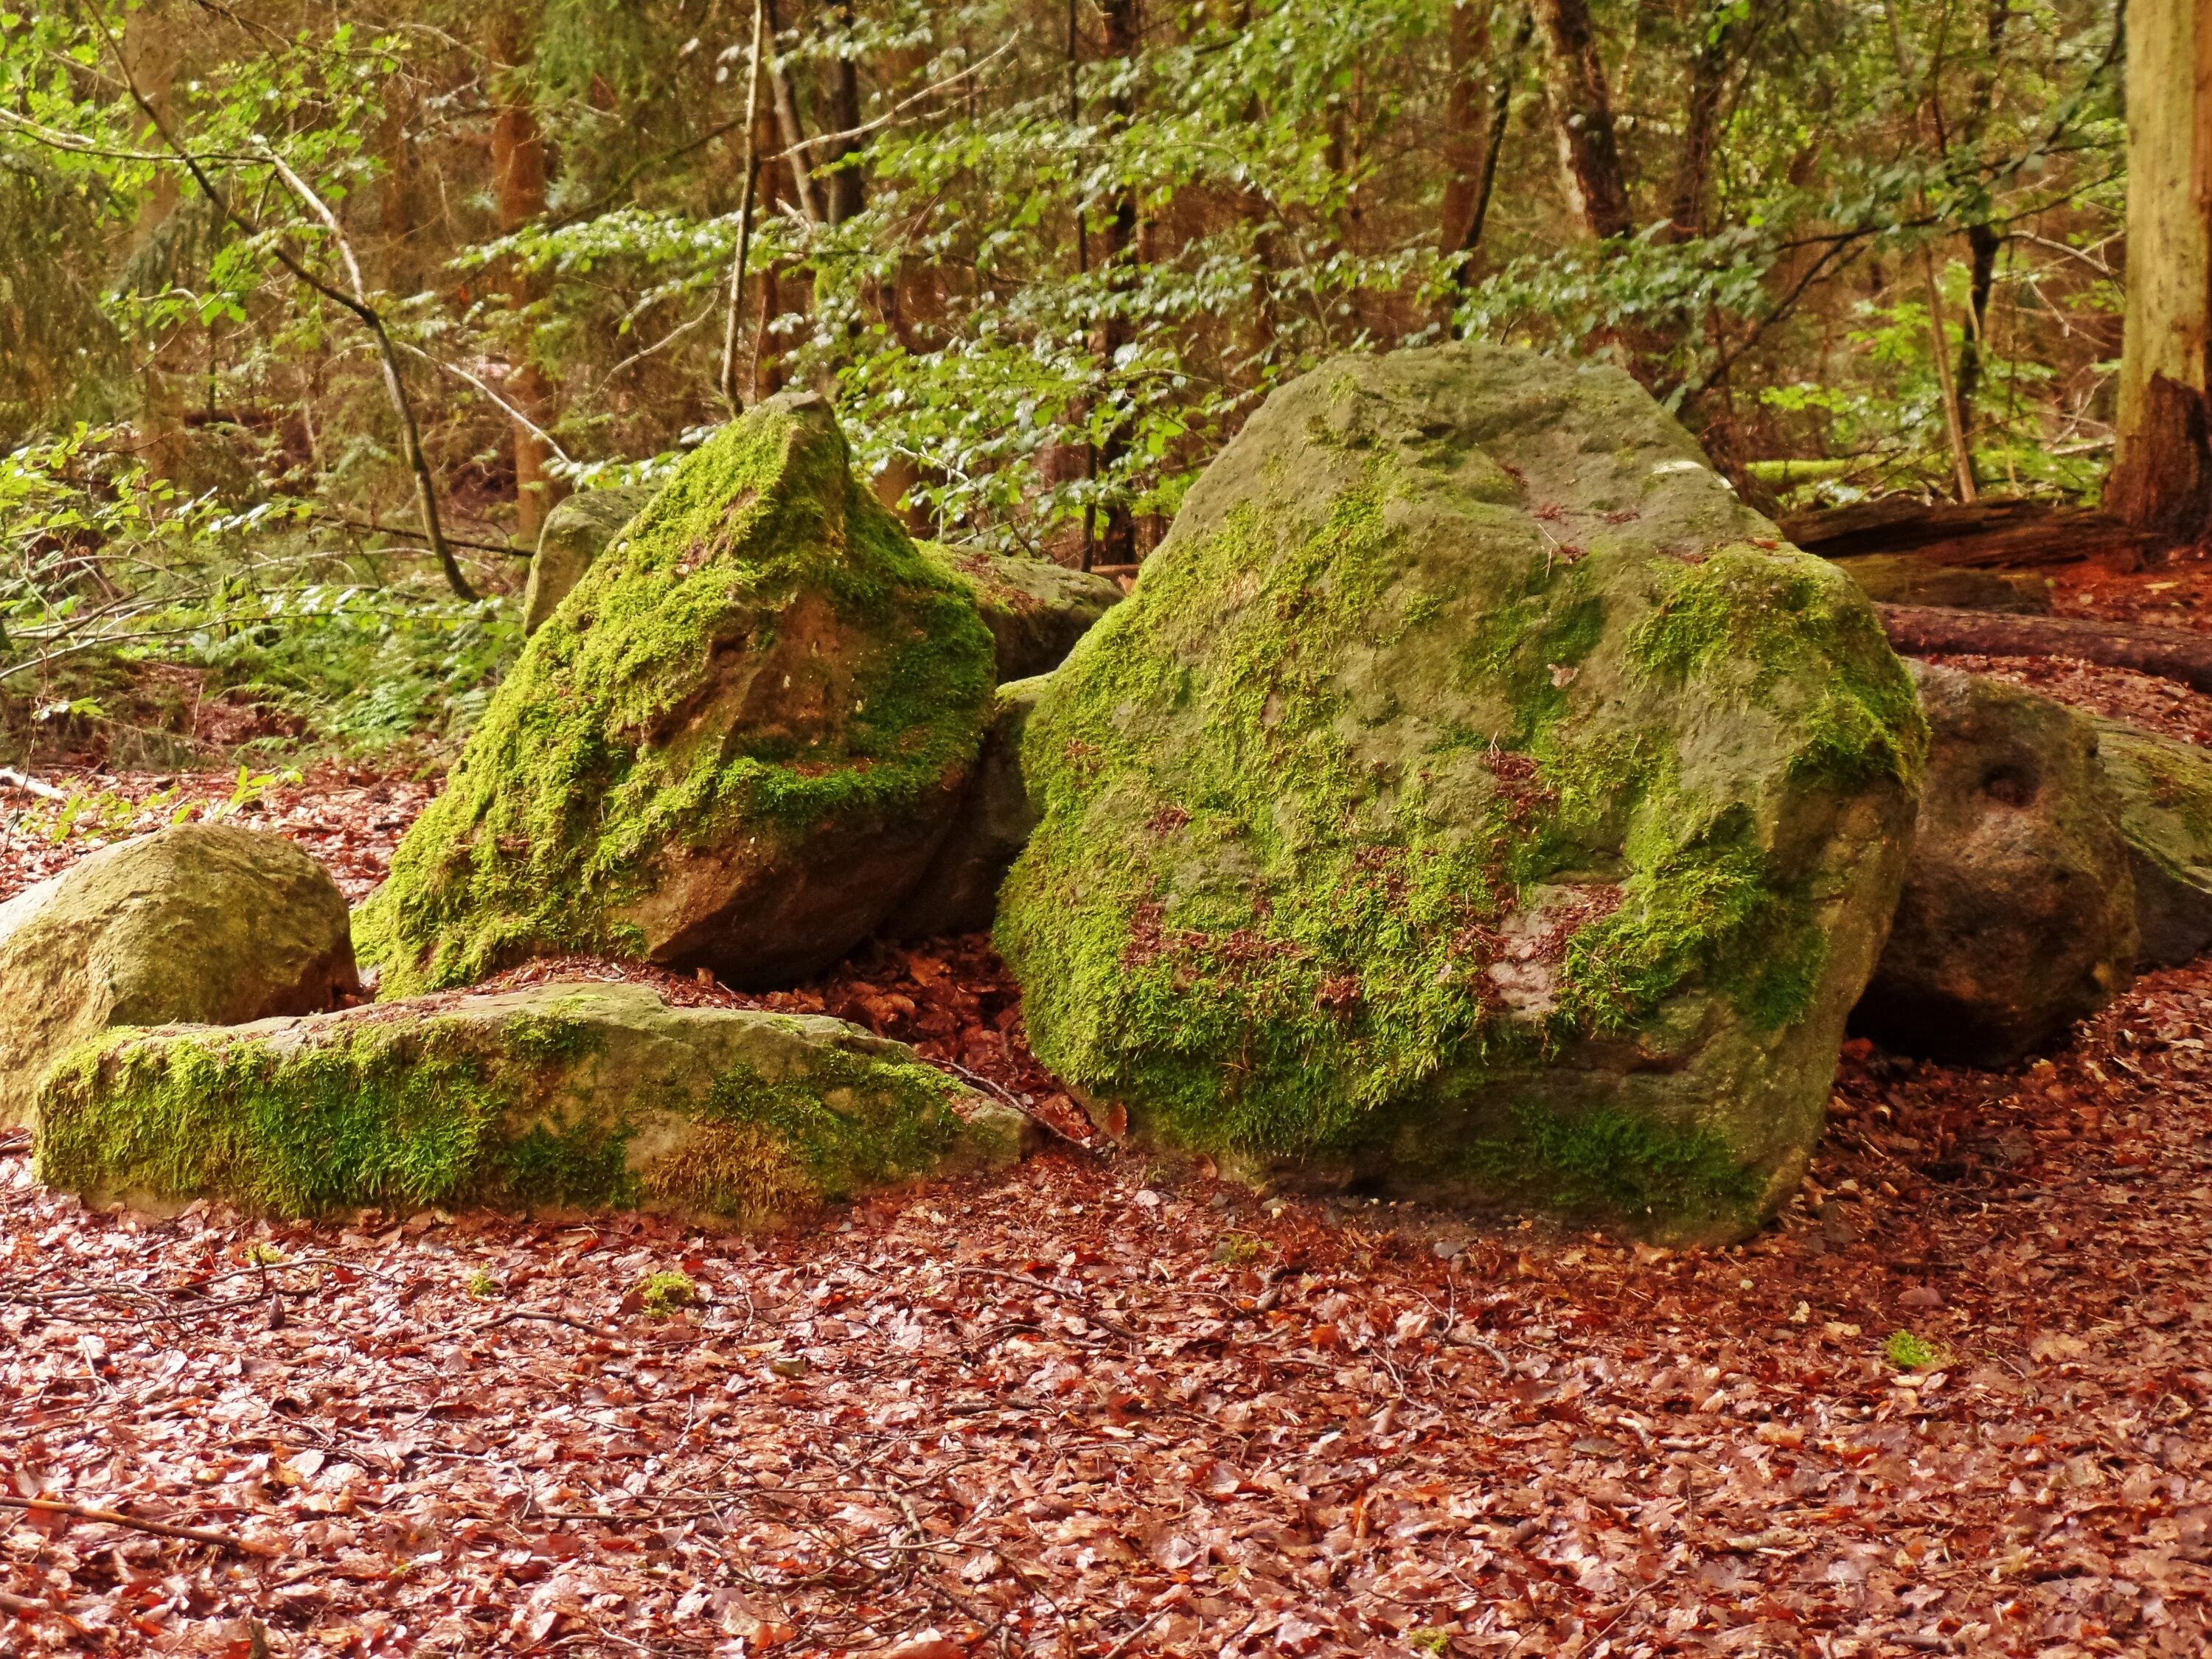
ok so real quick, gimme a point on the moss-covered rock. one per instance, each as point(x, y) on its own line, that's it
point(564, 1096)
point(1036, 610)
point(2163, 789)
point(208, 922)
point(735, 745)
point(960, 893)
point(1907, 579)
point(1472, 796)
point(576, 532)
point(2018, 913)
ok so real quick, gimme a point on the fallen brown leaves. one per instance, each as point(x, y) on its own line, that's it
point(1085, 1410)
point(1081, 1409)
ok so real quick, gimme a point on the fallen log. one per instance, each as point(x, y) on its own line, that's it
point(1981, 533)
point(2173, 653)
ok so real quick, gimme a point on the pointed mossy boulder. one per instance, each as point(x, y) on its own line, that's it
point(1472, 800)
point(564, 1097)
point(735, 745)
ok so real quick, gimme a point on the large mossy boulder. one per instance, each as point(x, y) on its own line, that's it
point(576, 532)
point(2163, 790)
point(564, 1097)
point(736, 746)
point(2018, 915)
point(206, 922)
point(959, 894)
point(1472, 798)
point(1036, 610)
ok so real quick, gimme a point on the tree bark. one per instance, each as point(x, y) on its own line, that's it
point(2171, 653)
point(1693, 160)
point(1465, 116)
point(844, 194)
point(1982, 242)
point(518, 155)
point(1117, 542)
point(2161, 475)
point(1583, 109)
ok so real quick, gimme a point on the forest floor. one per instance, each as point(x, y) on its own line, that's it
point(1091, 1409)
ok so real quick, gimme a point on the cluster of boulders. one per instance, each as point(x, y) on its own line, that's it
point(1472, 801)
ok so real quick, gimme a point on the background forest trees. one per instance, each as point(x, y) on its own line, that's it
point(1047, 254)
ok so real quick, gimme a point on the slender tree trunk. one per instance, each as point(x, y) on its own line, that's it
point(1468, 195)
point(1584, 107)
point(767, 376)
point(1117, 534)
point(844, 194)
point(1983, 245)
point(1694, 161)
point(2162, 475)
point(398, 196)
point(518, 155)
point(748, 189)
point(1982, 242)
point(1466, 118)
point(792, 128)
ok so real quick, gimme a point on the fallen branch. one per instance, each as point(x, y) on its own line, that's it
point(551, 1318)
point(31, 785)
point(22, 1607)
point(115, 1518)
point(2171, 653)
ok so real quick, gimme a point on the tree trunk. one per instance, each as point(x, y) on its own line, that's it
point(844, 193)
point(2162, 474)
point(791, 128)
point(518, 155)
point(1583, 109)
point(1694, 161)
point(1982, 242)
point(1117, 535)
point(1466, 118)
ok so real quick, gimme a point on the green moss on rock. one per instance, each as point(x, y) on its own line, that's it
point(561, 1098)
point(1036, 610)
point(735, 744)
point(1467, 753)
point(2163, 788)
point(209, 922)
point(576, 531)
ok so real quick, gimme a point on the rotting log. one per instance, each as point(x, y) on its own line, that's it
point(2173, 653)
point(1986, 533)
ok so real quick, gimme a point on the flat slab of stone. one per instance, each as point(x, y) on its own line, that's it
point(569, 1096)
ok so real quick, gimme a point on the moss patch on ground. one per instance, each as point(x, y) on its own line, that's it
point(556, 1098)
point(762, 673)
point(1447, 755)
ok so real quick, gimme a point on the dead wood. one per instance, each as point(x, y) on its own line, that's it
point(116, 1518)
point(2171, 653)
point(1985, 533)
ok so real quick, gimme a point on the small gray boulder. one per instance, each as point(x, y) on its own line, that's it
point(576, 531)
point(2163, 791)
point(210, 923)
point(2018, 915)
